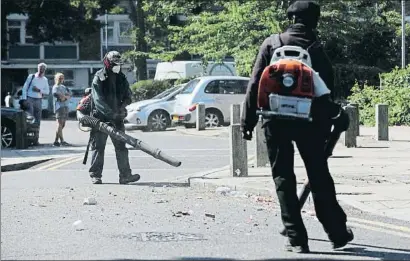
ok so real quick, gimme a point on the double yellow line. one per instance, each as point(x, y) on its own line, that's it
point(382, 227)
point(60, 163)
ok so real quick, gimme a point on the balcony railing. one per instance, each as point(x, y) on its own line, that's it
point(43, 52)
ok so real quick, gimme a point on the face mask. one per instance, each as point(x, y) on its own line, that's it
point(116, 69)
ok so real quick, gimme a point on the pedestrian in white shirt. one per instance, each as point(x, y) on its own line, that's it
point(8, 100)
point(34, 88)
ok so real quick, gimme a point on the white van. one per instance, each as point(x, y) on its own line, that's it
point(216, 92)
point(187, 69)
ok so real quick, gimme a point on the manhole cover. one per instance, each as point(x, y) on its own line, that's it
point(162, 236)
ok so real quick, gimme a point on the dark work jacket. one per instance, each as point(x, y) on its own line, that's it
point(297, 35)
point(111, 93)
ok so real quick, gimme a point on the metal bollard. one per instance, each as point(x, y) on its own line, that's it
point(235, 114)
point(357, 119)
point(200, 117)
point(21, 130)
point(238, 152)
point(350, 133)
point(261, 149)
point(382, 121)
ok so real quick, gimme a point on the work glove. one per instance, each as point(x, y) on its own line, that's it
point(246, 133)
point(342, 122)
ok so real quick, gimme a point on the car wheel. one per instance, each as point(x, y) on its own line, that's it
point(158, 121)
point(213, 118)
point(7, 136)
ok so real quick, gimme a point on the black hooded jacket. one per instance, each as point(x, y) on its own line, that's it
point(297, 35)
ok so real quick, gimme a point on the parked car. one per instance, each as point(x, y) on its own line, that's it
point(216, 92)
point(8, 127)
point(76, 96)
point(44, 103)
point(153, 114)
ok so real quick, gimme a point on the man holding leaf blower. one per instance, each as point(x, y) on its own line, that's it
point(296, 106)
point(110, 95)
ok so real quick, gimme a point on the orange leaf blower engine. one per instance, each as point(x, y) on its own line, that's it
point(287, 85)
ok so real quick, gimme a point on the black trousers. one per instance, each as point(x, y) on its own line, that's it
point(310, 141)
point(99, 141)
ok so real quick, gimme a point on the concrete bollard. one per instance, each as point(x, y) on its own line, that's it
point(350, 133)
point(238, 152)
point(235, 114)
point(21, 131)
point(382, 121)
point(357, 119)
point(200, 117)
point(261, 149)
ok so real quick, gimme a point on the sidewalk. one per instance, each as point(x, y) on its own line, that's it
point(13, 159)
point(374, 177)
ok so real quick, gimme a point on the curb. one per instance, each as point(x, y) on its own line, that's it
point(202, 133)
point(23, 165)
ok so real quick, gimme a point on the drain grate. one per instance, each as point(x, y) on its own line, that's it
point(162, 236)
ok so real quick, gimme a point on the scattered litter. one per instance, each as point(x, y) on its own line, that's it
point(162, 201)
point(90, 201)
point(263, 199)
point(78, 225)
point(198, 197)
point(209, 215)
point(255, 225)
point(223, 190)
point(38, 205)
point(181, 213)
point(164, 186)
point(260, 209)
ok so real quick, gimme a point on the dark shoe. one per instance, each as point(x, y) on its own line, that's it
point(96, 180)
point(56, 144)
point(297, 249)
point(63, 143)
point(343, 242)
point(130, 178)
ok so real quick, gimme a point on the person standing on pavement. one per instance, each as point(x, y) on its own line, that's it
point(62, 97)
point(34, 88)
point(310, 137)
point(110, 95)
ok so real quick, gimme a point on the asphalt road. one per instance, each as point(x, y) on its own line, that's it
point(39, 207)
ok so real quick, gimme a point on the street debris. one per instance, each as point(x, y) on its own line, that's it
point(90, 201)
point(38, 205)
point(162, 201)
point(223, 190)
point(78, 225)
point(182, 213)
point(209, 215)
point(263, 199)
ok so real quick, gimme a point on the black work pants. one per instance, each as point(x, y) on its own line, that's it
point(310, 141)
point(98, 144)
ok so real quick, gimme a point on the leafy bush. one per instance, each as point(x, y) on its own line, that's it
point(147, 89)
point(346, 76)
point(183, 80)
point(395, 92)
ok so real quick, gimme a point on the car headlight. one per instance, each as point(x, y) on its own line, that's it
point(135, 109)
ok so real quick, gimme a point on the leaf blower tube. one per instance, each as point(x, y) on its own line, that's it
point(88, 121)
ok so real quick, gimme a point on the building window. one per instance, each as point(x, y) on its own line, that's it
point(110, 30)
point(14, 31)
point(68, 76)
point(124, 32)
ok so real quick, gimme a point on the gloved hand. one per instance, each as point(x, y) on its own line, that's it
point(246, 134)
point(342, 122)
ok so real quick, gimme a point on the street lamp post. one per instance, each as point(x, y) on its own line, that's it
point(403, 34)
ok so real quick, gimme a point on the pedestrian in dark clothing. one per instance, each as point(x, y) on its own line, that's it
point(310, 137)
point(110, 95)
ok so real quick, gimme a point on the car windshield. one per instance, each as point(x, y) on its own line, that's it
point(164, 93)
point(77, 92)
point(190, 87)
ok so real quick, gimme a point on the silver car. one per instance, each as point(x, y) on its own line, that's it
point(216, 92)
point(153, 114)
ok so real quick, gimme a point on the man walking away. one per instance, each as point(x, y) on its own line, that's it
point(110, 95)
point(309, 137)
